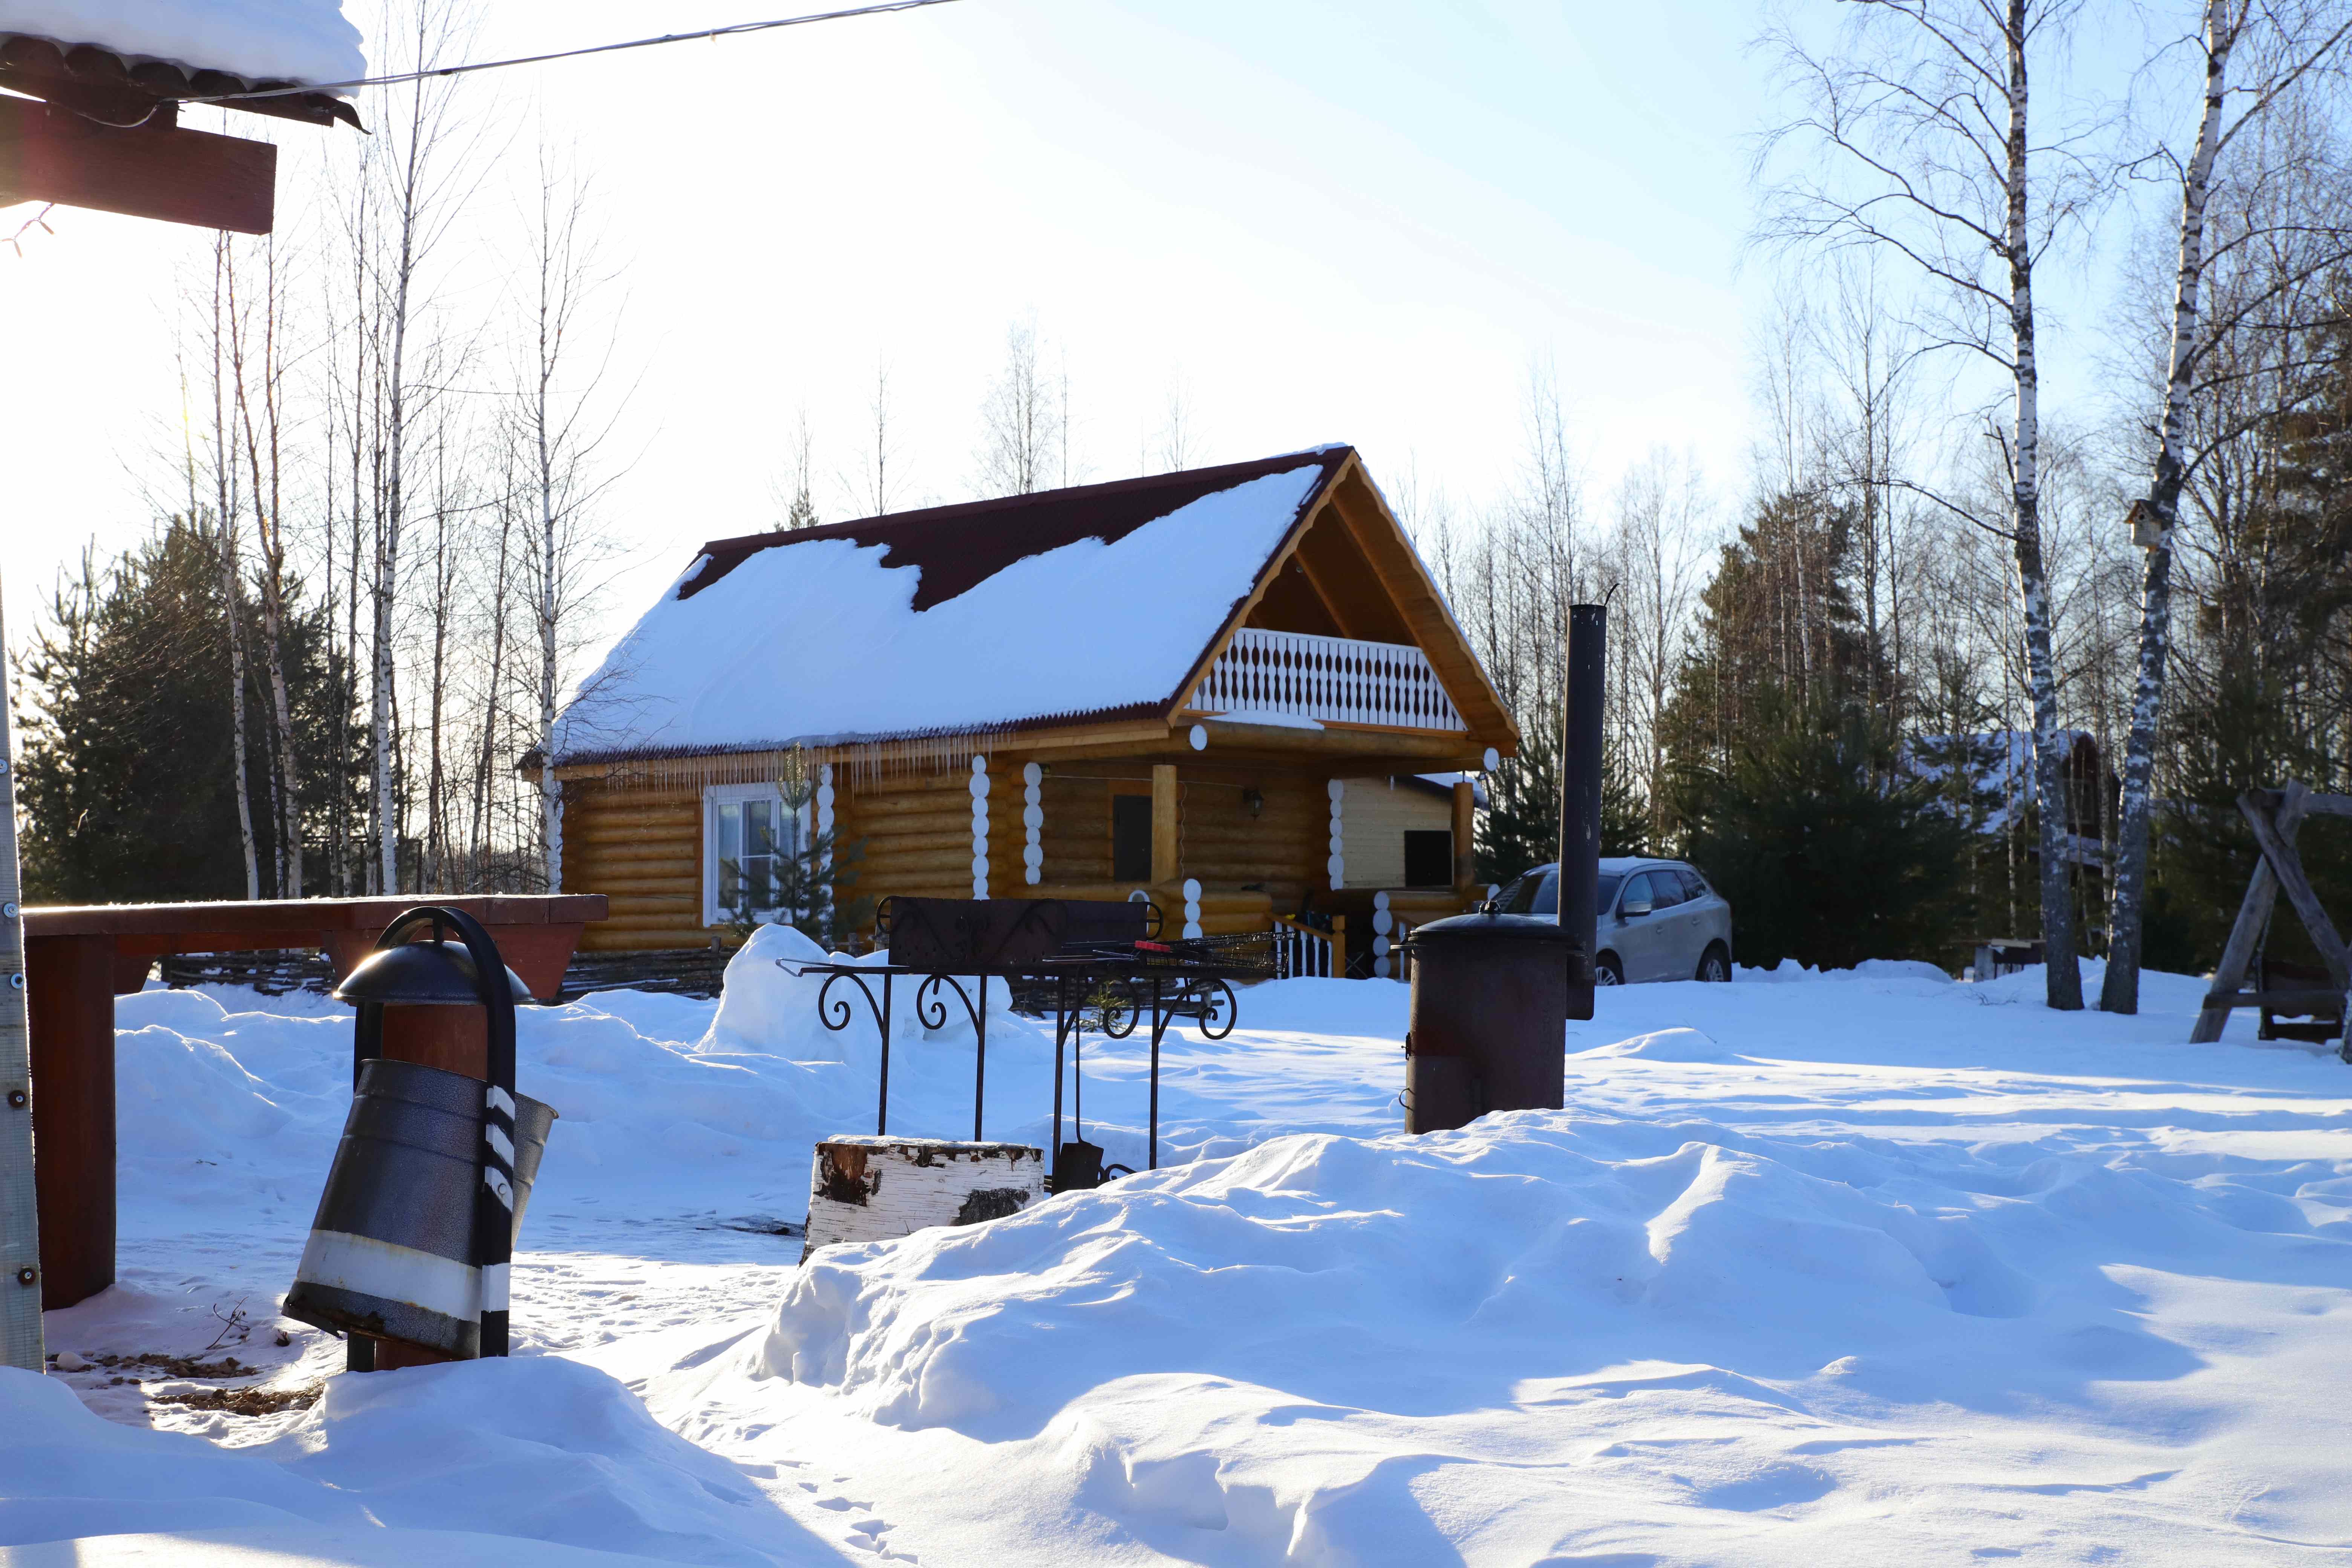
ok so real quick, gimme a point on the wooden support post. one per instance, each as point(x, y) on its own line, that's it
point(70, 993)
point(2276, 817)
point(2286, 865)
point(1165, 827)
point(2237, 954)
point(1465, 848)
point(20, 1242)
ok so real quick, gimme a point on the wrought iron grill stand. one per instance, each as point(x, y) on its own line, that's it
point(1145, 980)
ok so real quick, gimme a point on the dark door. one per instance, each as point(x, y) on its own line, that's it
point(1130, 839)
point(1428, 857)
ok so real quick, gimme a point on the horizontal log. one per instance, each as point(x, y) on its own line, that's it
point(927, 835)
point(627, 832)
point(2295, 1004)
point(685, 884)
point(575, 797)
point(649, 941)
point(882, 808)
point(923, 857)
point(632, 805)
point(634, 850)
point(635, 900)
point(637, 925)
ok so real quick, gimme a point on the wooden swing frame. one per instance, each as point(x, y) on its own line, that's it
point(2277, 817)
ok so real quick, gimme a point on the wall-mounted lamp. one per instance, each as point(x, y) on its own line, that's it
point(1253, 799)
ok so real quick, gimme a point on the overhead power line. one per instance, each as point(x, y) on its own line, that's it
point(726, 32)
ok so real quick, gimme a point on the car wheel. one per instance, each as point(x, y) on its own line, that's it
point(1715, 965)
point(1605, 971)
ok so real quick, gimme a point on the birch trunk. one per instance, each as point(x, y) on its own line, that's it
point(268, 528)
point(225, 518)
point(551, 791)
point(2064, 975)
point(486, 762)
point(2128, 908)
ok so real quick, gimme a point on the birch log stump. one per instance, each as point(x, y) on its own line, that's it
point(876, 1188)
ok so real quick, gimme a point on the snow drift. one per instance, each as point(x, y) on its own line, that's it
point(414, 1467)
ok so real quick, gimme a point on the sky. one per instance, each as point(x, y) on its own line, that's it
point(1322, 222)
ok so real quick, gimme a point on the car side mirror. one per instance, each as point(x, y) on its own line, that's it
point(1633, 907)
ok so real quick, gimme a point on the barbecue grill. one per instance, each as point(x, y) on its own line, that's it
point(1087, 961)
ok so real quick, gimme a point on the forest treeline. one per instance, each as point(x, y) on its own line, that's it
point(1835, 676)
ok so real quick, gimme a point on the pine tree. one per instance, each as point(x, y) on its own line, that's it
point(1824, 853)
point(126, 774)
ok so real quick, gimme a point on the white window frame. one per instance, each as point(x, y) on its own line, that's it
point(713, 797)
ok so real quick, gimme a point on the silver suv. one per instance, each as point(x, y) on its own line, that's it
point(1659, 919)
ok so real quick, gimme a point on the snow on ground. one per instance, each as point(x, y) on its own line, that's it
point(291, 40)
point(1847, 1268)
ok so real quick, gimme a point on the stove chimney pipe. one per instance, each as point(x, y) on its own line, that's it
point(1580, 798)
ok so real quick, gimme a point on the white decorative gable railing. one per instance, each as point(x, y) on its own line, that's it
point(1335, 680)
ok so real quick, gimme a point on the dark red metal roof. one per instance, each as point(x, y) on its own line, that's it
point(958, 547)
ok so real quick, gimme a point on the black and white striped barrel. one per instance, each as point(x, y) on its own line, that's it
point(428, 1157)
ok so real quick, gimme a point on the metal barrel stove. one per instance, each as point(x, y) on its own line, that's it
point(392, 1252)
point(1486, 1025)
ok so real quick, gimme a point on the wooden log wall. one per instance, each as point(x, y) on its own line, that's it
point(641, 848)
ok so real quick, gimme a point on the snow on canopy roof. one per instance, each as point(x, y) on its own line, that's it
point(300, 41)
point(1090, 602)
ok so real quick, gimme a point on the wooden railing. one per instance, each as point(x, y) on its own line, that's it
point(1296, 675)
point(1301, 952)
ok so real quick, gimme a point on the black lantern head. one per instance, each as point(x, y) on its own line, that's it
point(421, 973)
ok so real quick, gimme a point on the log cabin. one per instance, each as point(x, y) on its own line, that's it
point(1235, 691)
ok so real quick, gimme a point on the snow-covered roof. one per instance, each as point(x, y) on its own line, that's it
point(300, 41)
point(1090, 602)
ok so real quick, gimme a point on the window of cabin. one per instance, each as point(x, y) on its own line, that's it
point(1428, 857)
point(749, 838)
point(1130, 837)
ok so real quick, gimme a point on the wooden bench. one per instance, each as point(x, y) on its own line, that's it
point(78, 959)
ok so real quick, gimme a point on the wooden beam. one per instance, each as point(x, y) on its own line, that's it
point(2278, 848)
point(1165, 824)
point(1439, 635)
point(1240, 615)
point(1466, 849)
point(1331, 602)
point(2245, 935)
point(2295, 1003)
point(49, 154)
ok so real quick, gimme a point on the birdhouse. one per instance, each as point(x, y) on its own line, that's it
point(2146, 528)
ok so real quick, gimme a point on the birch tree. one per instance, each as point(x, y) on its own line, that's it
point(416, 172)
point(559, 421)
point(228, 504)
point(262, 439)
point(2281, 50)
point(1020, 421)
point(1918, 140)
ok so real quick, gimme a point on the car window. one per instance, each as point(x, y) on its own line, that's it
point(1519, 898)
point(1693, 885)
point(1605, 899)
point(1547, 896)
point(1637, 891)
point(1665, 889)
